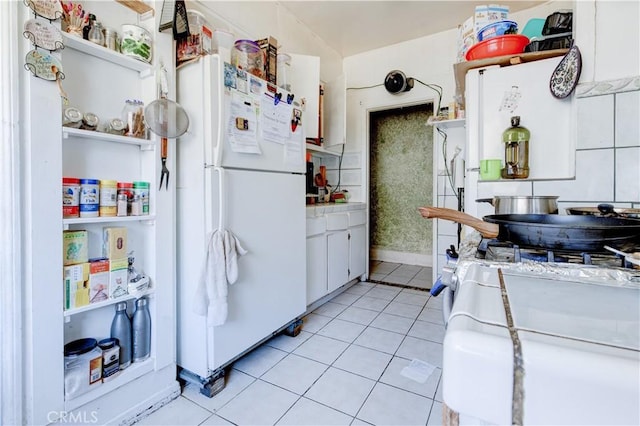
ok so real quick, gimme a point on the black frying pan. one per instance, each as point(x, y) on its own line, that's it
point(558, 232)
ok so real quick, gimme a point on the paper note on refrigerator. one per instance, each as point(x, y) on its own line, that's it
point(243, 124)
point(294, 147)
point(275, 120)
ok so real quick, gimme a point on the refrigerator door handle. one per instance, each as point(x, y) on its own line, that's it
point(208, 186)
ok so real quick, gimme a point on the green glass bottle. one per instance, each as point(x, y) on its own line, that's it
point(516, 151)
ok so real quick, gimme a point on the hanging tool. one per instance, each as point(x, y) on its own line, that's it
point(163, 157)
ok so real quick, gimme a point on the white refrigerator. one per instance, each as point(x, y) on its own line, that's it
point(260, 200)
point(493, 95)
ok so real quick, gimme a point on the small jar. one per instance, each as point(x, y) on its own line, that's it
point(90, 121)
point(117, 126)
point(95, 34)
point(133, 117)
point(248, 56)
point(70, 197)
point(142, 189)
point(72, 117)
point(126, 188)
point(108, 197)
point(111, 39)
point(122, 204)
point(89, 197)
point(136, 205)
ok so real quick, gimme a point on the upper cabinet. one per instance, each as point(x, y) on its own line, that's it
point(324, 118)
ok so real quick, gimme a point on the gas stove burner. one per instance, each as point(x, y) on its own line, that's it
point(501, 251)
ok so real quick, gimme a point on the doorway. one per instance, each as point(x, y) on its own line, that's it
point(400, 181)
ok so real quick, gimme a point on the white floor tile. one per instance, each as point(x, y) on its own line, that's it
point(342, 330)
point(259, 361)
point(345, 298)
point(308, 412)
point(421, 282)
point(412, 298)
point(435, 417)
point(397, 279)
point(403, 310)
point(438, 396)
point(392, 323)
point(312, 322)
point(179, 412)
point(391, 406)
point(430, 314)
point(235, 382)
point(259, 404)
point(380, 340)
point(363, 361)
point(321, 349)
point(341, 390)
point(435, 303)
point(288, 343)
point(427, 331)
point(371, 303)
point(360, 288)
point(358, 315)
point(215, 420)
point(393, 376)
point(383, 292)
point(295, 373)
point(330, 309)
point(423, 350)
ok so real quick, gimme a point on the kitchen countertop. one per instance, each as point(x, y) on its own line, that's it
point(325, 208)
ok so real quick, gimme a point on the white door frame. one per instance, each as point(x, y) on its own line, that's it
point(11, 295)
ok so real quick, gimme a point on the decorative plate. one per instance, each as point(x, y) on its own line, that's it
point(43, 34)
point(50, 9)
point(566, 75)
point(44, 65)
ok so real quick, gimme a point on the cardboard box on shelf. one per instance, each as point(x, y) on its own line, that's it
point(269, 47)
point(98, 280)
point(118, 277)
point(114, 243)
point(75, 247)
point(76, 286)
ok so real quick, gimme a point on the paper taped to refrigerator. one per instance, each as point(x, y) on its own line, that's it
point(275, 120)
point(244, 138)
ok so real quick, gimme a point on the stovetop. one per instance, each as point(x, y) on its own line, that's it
point(602, 268)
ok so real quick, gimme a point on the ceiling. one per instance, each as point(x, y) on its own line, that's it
point(352, 27)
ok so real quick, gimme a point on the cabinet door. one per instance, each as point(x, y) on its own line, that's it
point(304, 76)
point(316, 267)
point(357, 252)
point(338, 259)
point(335, 112)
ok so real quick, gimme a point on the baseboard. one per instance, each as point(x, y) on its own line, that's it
point(424, 260)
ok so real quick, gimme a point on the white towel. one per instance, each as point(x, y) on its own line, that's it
point(219, 269)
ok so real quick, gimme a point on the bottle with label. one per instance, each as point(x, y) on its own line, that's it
point(121, 330)
point(141, 327)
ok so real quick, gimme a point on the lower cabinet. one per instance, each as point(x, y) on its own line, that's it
point(336, 251)
point(316, 267)
point(338, 259)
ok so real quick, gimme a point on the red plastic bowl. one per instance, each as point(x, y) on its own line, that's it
point(498, 46)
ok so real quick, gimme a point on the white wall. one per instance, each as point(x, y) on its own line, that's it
point(429, 59)
point(259, 19)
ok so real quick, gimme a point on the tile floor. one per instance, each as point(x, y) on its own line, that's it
point(396, 273)
point(348, 366)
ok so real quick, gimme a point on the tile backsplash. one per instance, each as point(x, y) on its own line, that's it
point(607, 156)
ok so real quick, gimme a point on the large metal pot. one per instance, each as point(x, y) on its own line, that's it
point(523, 204)
point(557, 232)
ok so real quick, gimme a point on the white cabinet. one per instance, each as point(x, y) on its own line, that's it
point(316, 258)
point(357, 244)
point(337, 259)
point(96, 80)
point(336, 251)
point(325, 101)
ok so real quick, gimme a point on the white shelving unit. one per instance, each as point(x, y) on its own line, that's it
point(321, 150)
point(96, 80)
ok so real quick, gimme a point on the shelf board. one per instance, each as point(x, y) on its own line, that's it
point(135, 370)
point(447, 124)
point(106, 137)
point(92, 306)
point(138, 6)
point(107, 219)
point(109, 55)
point(316, 148)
